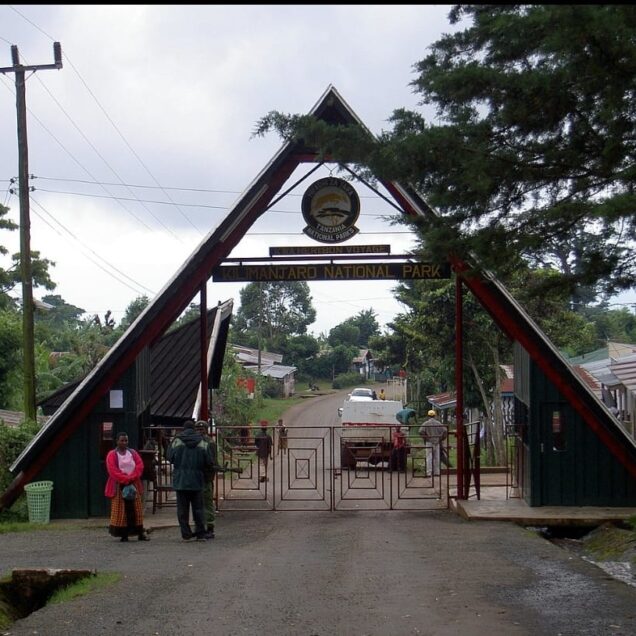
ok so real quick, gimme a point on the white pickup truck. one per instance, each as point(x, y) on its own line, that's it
point(366, 431)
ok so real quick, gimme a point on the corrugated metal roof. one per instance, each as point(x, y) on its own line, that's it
point(248, 354)
point(175, 368)
point(15, 418)
point(625, 370)
point(589, 380)
point(278, 371)
point(446, 400)
point(174, 371)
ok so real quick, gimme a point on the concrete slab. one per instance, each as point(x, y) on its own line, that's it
point(494, 506)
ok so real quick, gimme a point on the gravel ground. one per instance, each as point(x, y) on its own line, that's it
point(319, 574)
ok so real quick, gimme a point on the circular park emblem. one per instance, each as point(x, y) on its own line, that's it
point(330, 208)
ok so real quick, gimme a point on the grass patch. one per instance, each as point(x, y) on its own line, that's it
point(273, 408)
point(608, 543)
point(85, 586)
point(25, 526)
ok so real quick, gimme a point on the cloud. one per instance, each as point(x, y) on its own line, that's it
point(170, 95)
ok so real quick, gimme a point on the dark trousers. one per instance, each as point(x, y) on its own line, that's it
point(185, 500)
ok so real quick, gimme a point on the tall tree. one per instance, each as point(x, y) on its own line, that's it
point(367, 325)
point(133, 310)
point(10, 360)
point(533, 143)
point(273, 311)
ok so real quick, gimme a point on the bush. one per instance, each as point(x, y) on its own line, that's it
point(345, 380)
point(13, 441)
point(271, 388)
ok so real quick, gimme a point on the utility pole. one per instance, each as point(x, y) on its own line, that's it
point(28, 341)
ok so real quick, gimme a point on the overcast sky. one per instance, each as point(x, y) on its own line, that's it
point(167, 97)
point(143, 141)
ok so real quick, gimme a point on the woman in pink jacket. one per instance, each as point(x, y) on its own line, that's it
point(125, 466)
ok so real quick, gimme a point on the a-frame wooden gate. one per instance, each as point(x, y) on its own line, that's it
point(191, 280)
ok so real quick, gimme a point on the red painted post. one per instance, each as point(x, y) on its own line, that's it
point(203, 353)
point(459, 386)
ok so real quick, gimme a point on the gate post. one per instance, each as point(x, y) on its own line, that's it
point(459, 386)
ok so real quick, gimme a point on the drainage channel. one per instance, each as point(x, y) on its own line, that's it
point(28, 590)
point(610, 546)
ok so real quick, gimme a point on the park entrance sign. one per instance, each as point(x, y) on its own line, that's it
point(330, 271)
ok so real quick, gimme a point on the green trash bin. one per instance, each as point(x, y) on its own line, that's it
point(39, 501)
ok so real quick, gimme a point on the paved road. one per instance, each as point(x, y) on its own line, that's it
point(320, 574)
point(328, 573)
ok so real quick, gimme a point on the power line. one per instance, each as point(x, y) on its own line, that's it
point(110, 120)
point(99, 154)
point(136, 185)
point(185, 216)
point(190, 205)
point(87, 171)
point(86, 138)
point(82, 245)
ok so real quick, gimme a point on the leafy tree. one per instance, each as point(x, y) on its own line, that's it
point(5, 277)
point(300, 352)
point(133, 310)
point(617, 325)
point(533, 143)
point(274, 311)
point(231, 404)
point(56, 328)
point(12, 277)
point(345, 333)
point(191, 313)
point(13, 440)
point(10, 359)
point(367, 323)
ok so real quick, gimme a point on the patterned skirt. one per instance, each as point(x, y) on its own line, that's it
point(126, 517)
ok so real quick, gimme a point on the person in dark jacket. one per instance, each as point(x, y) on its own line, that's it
point(190, 455)
point(264, 443)
point(210, 472)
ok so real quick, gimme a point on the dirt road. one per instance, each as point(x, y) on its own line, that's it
point(328, 573)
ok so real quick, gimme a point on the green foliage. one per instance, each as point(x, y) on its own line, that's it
point(231, 404)
point(300, 352)
point(356, 330)
point(616, 325)
point(12, 277)
point(94, 583)
point(345, 334)
point(192, 312)
point(531, 156)
point(133, 310)
point(10, 359)
point(344, 380)
point(270, 388)
point(13, 441)
point(273, 311)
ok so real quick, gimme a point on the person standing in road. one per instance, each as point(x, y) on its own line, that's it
point(264, 444)
point(210, 475)
point(398, 453)
point(433, 433)
point(381, 395)
point(125, 467)
point(281, 429)
point(191, 458)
